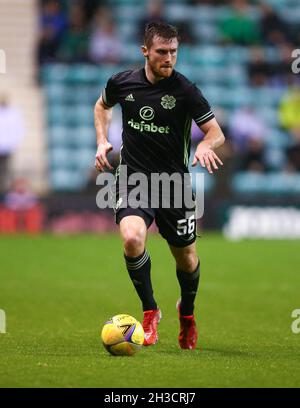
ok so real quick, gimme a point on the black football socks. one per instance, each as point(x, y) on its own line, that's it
point(139, 272)
point(189, 283)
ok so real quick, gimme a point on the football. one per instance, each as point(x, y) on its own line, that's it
point(122, 335)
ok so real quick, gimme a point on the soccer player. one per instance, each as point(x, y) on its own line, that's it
point(158, 105)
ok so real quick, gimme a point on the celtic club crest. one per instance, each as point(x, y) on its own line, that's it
point(168, 102)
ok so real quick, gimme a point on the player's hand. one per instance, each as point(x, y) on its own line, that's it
point(101, 161)
point(207, 157)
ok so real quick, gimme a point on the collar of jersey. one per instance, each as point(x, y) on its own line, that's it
point(160, 84)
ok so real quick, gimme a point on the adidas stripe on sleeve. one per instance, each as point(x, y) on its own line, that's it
point(110, 93)
point(199, 108)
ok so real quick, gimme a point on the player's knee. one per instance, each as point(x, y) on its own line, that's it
point(188, 263)
point(134, 242)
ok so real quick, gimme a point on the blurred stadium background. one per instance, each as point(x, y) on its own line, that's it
point(58, 57)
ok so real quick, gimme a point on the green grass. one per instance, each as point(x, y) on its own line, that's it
point(58, 291)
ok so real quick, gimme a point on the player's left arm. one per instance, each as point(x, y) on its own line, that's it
point(213, 139)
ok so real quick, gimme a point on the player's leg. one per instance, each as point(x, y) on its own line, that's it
point(188, 275)
point(133, 231)
point(179, 232)
point(180, 235)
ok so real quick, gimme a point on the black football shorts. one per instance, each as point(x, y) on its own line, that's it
point(176, 224)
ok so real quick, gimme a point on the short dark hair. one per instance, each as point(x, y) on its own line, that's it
point(159, 29)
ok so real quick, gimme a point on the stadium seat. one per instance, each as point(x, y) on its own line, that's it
point(54, 73)
point(83, 137)
point(70, 115)
point(248, 182)
point(118, 3)
point(278, 139)
point(131, 54)
point(174, 1)
point(184, 55)
point(127, 31)
point(235, 76)
point(55, 92)
point(270, 115)
point(282, 183)
point(206, 33)
point(214, 94)
point(56, 114)
point(267, 96)
point(84, 94)
point(275, 158)
point(204, 14)
point(60, 157)
point(269, 183)
point(67, 94)
point(82, 114)
point(66, 136)
point(129, 12)
point(58, 136)
point(67, 180)
point(209, 55)
point(83, 158)
point(236, 55)
point(290, 14)
point(178, 12)
point(83, 74)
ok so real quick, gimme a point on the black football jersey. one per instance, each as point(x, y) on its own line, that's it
point(156, 119)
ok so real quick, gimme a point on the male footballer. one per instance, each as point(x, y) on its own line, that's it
point(158, 106)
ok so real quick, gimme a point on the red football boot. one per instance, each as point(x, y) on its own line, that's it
point(150, 323)
point(188, 334)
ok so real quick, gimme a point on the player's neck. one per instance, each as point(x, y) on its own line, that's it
point(150, 75)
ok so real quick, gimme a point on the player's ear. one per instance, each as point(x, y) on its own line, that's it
point(144, 51)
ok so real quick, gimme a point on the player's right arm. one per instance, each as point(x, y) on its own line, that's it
point(102, 118)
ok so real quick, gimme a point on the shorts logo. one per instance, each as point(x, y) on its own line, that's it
point(168, 102)
point(147, 113)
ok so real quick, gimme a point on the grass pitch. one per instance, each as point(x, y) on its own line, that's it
point(58, 291)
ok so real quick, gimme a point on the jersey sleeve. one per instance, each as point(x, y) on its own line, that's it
point(199, 108)
point(110, 93)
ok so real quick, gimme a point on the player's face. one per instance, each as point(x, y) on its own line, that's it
point(162, 56)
